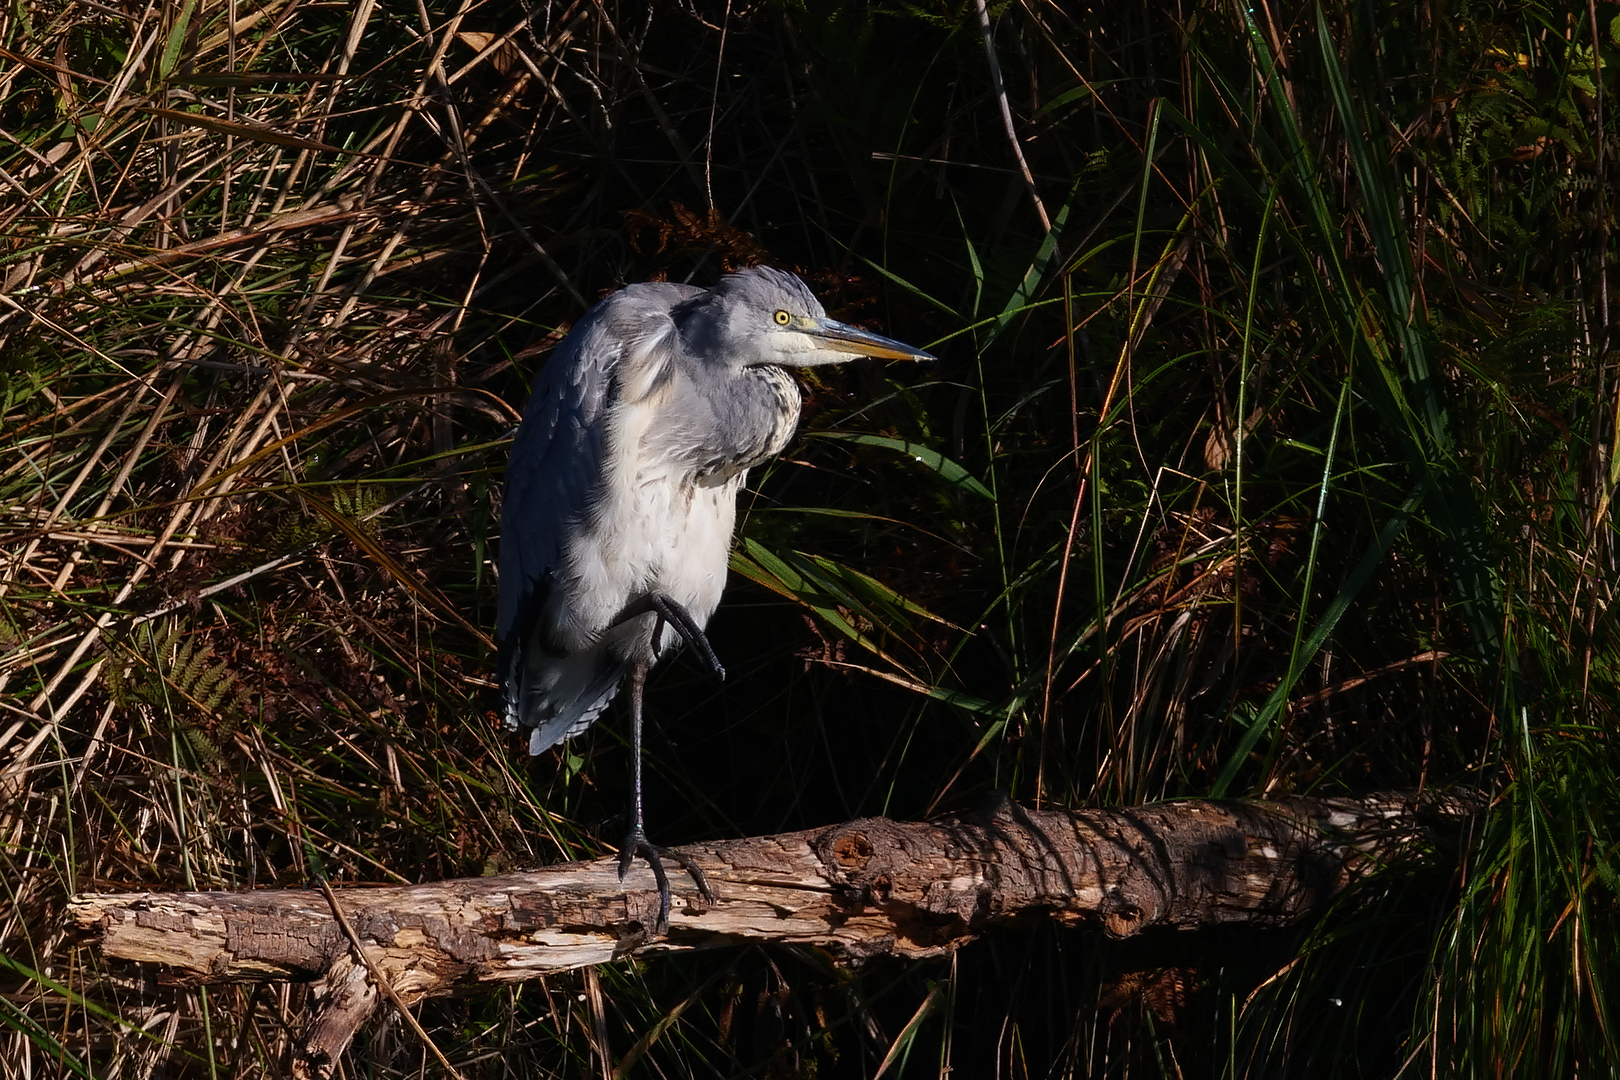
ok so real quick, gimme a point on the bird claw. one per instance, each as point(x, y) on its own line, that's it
point(636, 844)
point(672, 613)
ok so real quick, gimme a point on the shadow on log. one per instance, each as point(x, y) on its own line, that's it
point(861, 889)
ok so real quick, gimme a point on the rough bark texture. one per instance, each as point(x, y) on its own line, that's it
point(860, 889)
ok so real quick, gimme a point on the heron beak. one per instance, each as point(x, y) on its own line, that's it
point(832, 334)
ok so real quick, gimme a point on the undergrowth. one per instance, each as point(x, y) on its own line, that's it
point(1272, 450)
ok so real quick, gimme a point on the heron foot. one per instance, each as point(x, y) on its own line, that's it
point(674, 614)
point(636, 844)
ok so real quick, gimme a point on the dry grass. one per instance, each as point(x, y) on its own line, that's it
point(248, 471)
point(273, 277)
point(267, 269)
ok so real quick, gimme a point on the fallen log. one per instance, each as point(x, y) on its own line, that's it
point(859, 889)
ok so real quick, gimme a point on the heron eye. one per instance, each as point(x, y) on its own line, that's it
point(783, 318)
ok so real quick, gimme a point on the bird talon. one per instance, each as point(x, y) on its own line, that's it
point(671, 613)
point(636, 844)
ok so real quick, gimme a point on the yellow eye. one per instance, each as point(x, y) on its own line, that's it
point(783, 318)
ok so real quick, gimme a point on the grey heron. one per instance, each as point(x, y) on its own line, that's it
point(621, 494)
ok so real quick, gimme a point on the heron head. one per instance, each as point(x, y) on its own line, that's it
point(767, 316)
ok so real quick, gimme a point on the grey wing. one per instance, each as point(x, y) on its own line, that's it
point(557, 463)
point(556, 459)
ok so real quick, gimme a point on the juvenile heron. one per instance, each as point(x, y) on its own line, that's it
point(621, 494)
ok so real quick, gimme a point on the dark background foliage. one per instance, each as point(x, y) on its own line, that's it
point(1270, 450)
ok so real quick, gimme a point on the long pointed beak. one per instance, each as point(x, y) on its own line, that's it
point(845, 338)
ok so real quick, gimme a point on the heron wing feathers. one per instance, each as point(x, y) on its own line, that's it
point(562, 696)
point(600, 385)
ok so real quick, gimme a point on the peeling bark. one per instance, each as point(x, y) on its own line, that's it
point(860, 889)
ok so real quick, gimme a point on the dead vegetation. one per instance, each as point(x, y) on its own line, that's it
point(1281, 462)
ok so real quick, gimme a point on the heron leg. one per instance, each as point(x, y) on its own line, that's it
point(636, 843)
point(671, 612)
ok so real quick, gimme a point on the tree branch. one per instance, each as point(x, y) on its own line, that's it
point(860, 889)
